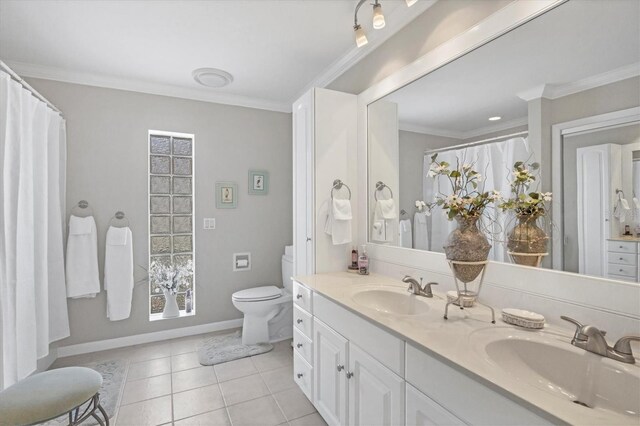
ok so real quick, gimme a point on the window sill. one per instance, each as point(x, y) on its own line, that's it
point(158, 316)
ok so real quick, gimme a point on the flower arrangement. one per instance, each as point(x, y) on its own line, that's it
point(170, 277)
point(467, 199)
point(522, 202)
point(422, 206)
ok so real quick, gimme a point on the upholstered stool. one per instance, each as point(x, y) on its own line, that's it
point(48, 395)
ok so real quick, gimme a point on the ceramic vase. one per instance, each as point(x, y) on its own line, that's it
point(529, 239)
point(467, 243)
point(170, 306)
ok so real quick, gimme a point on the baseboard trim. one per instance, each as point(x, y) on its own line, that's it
point(120, 342)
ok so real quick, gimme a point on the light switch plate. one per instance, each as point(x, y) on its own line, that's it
point(241, 261)
point(209, 223)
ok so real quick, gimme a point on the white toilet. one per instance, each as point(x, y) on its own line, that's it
point(268, 310)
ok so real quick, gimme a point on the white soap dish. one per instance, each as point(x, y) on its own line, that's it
point(523, 318)
point(467, 302)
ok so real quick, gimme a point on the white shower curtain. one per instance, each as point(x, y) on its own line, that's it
point(33, 306)
point(494, 161)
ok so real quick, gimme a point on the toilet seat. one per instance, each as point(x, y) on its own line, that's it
point(258, 294)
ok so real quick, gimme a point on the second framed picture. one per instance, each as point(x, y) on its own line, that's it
point(258, 182)
point(226, 195)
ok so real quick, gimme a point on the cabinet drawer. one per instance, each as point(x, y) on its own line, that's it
point(303, 375)
point(303, 346)
point(422, 410)
point(622, 278)
point(622, 246)
point(623, 258)
point(624, 270)
point(302, 297)
point(303, 321)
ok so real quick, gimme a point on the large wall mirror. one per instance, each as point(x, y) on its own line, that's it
point(559, 94)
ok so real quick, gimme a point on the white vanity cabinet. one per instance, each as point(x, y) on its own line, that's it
point(623, 259)
point(424, 411)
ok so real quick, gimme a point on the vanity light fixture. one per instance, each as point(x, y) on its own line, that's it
point(496, 118)
point(378, 17)
point(378, 20)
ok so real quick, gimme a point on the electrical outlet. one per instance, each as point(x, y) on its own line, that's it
point(209, 223)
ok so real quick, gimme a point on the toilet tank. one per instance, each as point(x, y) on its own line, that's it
point(287, 268)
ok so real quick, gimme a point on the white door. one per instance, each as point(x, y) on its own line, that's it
point(376, 394)
point(423, 411)
point(303, 184)
point(330, 382)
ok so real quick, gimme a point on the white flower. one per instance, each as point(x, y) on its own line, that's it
point(466, 166)
point(479, 177)
point(546, 196)
point(428, 212)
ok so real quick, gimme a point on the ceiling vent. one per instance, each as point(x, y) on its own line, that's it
point(212, 77)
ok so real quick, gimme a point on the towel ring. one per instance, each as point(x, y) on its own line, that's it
point(119, 216)
point(380, 186)
point(337, 185)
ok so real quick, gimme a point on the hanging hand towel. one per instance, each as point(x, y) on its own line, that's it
point(83, 279)
point(420, 231)
point(118, 273)
point(383, 215)
point(621, 209)
point(338, 223)
point(405, 234)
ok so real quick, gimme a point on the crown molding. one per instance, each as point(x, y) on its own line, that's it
point(410, 127)
point(394, 23)
point(555, 91)
point(110, 82)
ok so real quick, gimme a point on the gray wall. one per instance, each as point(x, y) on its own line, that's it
point(107, 165)
point(440, 23)
point(412, 148)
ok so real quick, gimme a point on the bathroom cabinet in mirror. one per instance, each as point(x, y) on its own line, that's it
point(564, 108)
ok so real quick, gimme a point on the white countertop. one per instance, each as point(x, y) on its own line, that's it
point(629, 238)
point(461, 340)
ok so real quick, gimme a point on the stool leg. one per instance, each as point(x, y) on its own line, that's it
point(104, 414)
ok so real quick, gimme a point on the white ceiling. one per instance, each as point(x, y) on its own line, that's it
point(273, 48)
point(576, 41)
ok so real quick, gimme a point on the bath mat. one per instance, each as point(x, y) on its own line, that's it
point(227, 347)
point(113, 375)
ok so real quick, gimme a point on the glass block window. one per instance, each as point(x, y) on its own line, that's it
point(171, 200)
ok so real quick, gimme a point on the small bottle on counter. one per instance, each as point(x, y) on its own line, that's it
point(363, 261)
point(188, 302)
point(354, 258)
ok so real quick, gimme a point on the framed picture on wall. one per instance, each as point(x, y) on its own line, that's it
point(258, 182)
point(226, 195)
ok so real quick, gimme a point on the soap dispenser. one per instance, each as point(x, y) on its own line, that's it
point(363, 261)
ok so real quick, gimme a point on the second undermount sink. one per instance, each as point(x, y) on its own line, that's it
point(391, 300)
point(576, 376)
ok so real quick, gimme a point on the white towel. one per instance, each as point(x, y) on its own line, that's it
point(420, 231)
point(621, 209)
point(405, 233)
point(383, 223)
point(118, 273)
point(83, 278)
point(338, 223)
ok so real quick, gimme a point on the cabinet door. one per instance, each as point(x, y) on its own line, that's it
point(423, 411)
point(376, 394)
point(330, 382)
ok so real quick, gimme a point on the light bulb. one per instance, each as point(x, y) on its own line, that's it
point(361, 37)
point(410, 2)
point(378, 17)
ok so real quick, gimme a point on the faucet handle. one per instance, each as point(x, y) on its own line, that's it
point(579, 327)
point(623, 345)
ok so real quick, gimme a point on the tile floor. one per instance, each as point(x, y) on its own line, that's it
point(166, 385)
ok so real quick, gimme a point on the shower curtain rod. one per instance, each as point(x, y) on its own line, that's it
point(26, 85)
point(480, 142)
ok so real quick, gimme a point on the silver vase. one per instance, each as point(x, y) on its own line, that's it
point(467, 243)
point(529, 239)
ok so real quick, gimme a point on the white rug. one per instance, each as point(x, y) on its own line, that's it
point(227, 347)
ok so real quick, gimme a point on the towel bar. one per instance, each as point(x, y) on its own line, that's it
point(338, 184)
point(380, 186)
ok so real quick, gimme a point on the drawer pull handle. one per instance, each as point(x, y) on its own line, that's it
point(299, 296)
point(621, 258)
point(621, 246)
point(349, 374)
point(340, 367)
point(299, 321)
point(299, 375)
point(299, 345)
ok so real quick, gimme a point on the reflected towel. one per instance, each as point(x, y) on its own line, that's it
point(405, 233)
point(82, 274)
point(379, 231)
point(386, 209)
point(420, 231)
point(118, 273)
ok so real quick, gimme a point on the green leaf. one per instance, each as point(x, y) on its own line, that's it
point(455, 173)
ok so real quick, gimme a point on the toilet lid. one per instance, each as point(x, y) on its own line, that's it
point(258, 293)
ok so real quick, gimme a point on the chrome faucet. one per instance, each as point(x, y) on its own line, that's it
point(591, 339)
point(416, 288)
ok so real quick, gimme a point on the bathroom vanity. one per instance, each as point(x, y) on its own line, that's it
point(368, 352)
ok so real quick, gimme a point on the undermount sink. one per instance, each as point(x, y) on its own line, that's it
point(577, 376)
point(391, 300)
